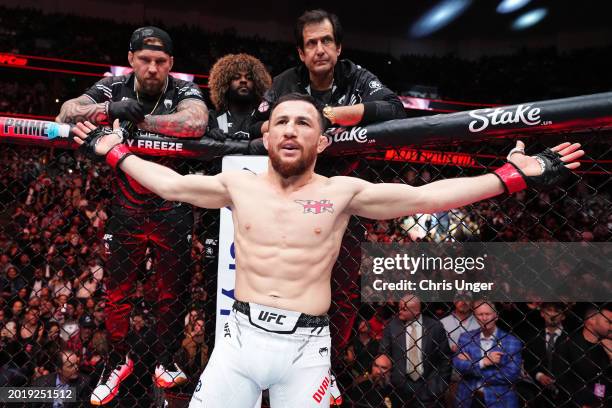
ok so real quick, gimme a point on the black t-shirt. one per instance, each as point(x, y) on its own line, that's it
point(364, 354)
point(128, 193)
point(580, 367)
point(368, 394)
point(235, 124)
point(323, 97)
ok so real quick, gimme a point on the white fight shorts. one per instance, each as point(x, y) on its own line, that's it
point(267, 348)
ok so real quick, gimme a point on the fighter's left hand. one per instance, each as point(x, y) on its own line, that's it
point(531, 166)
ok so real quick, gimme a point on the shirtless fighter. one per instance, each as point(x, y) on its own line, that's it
point(288, 228)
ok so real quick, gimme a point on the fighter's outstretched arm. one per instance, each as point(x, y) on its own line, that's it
point(202, 191)
point(385, 201)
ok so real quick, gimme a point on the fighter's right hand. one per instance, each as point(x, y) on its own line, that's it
point(94, 141)
point(128, 109)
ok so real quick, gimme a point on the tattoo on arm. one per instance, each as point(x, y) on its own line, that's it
point(81, 109)
point(189, 120)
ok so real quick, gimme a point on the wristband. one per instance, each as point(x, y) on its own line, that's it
point(117, 154)
point(511, 177)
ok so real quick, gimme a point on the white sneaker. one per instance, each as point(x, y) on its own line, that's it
point(109, 383)
point(165, 378)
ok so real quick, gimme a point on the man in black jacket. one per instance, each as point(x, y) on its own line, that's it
point(539, 352)
point(418, 347)
point(350, 94)
point(582, 366)
point(66, 379)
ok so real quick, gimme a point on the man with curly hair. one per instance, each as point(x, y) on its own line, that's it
point(237, 85)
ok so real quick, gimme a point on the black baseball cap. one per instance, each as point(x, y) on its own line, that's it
point(137, 41)
point(86, 321)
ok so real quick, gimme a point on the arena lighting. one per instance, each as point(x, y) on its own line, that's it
point(529, 19)
point(438, 16)
point(10, 59)
point(67, 66)
point(508, 6)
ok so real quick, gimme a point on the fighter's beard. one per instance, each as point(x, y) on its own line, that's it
point(294, 168)
point(150, 90)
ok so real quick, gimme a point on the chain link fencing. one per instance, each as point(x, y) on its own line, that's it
point(79, 274)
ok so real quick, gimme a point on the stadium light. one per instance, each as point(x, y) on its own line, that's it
point(509, 6)
point(438, 16)
point(529, 19)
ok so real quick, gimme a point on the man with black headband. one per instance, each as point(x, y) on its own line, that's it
point(142, 222)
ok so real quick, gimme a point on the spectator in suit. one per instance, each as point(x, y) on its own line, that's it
point(540, 350)
point(66, 375)
point(418, 347)
point(582, 364)
point(489, 361)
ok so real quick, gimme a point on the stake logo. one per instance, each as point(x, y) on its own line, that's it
point(524, 114)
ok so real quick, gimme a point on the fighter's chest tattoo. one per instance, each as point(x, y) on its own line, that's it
point(316, 206)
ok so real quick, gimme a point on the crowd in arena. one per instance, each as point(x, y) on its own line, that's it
point(530, 75)
point(54, 206)
point(52, 282)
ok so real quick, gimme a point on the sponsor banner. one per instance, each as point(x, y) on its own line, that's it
point(581, 113)
point(497, 271)
point(578, 114)
point(227, 254)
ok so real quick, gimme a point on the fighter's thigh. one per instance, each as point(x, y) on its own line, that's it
point(307, 382)
point(224, 382)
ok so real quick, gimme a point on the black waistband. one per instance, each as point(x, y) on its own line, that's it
point(304, 320)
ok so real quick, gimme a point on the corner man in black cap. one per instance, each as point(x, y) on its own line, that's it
point(142, 222)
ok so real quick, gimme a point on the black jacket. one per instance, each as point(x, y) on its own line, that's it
point(352, 85)
point(436, 355)
point(534, 353)
point(82, 387)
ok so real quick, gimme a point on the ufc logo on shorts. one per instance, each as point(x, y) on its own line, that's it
point(271, 316)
